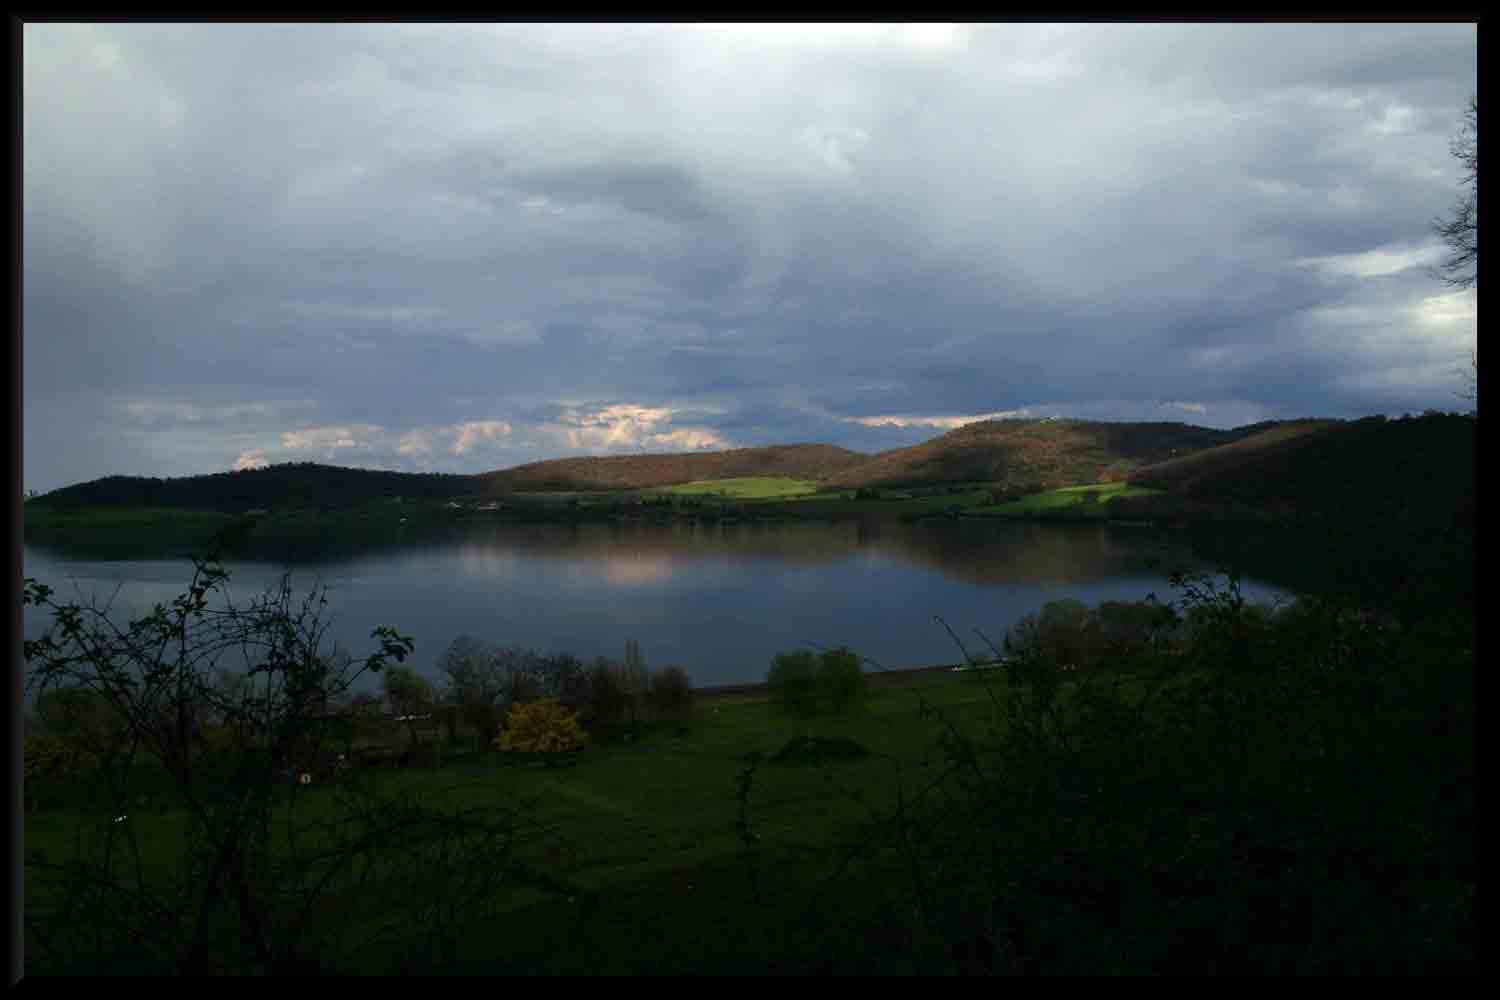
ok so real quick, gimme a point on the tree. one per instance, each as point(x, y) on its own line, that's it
point(410, 695)
point(803, 684)
point(672, 695)
point(1460, 232)
point(637, 678)
point(475, 683)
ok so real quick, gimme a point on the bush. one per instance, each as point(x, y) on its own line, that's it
point(793, 682)
point(1064, 635)
point(803, 684)
point(841, 682)
point(818, 750)
point(672, 695)
point(543, 726)
point(607, 696)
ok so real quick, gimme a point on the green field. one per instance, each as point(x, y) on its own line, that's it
point(748, 488)
point(653, 816)
point(1068, 497)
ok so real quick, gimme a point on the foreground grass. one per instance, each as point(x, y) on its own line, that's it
point(637, 814)
point(1288, 795)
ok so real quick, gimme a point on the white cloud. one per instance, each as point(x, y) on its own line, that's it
point(415, 443)
point(331, 440)
point(943, 422)
point(687, 439)
point(628, 426)
point(1377, 263)
point(475, 431)
point(251, 460)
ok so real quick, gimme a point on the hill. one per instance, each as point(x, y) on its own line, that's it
point(626, 472)
point(1381, 509)
point(299, 484)
point(1028, 456)
point(1374, 467)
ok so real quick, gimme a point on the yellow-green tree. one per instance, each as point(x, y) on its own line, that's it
point(542, 726)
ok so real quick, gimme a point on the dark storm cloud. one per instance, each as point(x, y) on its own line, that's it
point(459, 247)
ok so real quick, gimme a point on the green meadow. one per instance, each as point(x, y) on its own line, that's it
point(645, 818)
point(1080, 497)
point(746, 488)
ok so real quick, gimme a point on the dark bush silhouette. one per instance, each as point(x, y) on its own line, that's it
point(671, 696)
point(801, 683)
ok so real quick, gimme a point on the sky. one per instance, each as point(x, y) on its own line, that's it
point(442, 247)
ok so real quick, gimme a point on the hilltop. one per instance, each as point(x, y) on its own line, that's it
point(1026, 456)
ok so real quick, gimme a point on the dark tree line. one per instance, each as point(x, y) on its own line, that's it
point(291, 485)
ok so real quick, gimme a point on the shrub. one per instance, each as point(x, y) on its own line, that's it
point(841, 684)
point(819, 749)
point(542, 726)
point(672, 695)
point(803, 684)
point(792, 681)
point(1065, 635)
point(48, 757)
point(608, 698)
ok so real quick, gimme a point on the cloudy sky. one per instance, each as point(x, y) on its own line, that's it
point(451, 247)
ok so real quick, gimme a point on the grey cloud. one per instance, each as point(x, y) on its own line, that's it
point(416, 226)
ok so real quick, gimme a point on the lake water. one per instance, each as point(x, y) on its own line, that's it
point(718, 600)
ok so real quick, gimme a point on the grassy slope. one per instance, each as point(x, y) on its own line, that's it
point(746, 488)
point(1069, 497)
point(620, 472)
point(1028, 456)
point(647, 812)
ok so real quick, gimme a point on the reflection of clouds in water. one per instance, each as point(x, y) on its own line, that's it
point(487, 561)
point(618, 568)
point(631, 569)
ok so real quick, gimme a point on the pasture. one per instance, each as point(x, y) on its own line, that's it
point(1079, 497)
point(745, 488)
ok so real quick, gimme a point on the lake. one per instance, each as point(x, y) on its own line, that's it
point(719, 600)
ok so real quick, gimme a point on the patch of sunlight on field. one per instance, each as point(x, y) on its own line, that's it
point(1068, 496)
point(747, 488)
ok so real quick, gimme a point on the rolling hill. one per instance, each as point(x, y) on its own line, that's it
point(617, 472)
point(308, 484)
point(1371, 464)
point(1368, 467)
point(1028, 456)
point(293, 484)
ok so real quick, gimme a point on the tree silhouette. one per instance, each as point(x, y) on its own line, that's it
point(1460, 232)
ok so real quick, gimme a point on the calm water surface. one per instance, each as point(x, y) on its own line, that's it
point(718, 600)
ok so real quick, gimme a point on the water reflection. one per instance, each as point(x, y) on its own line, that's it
point(718, 599)
point(971, 551)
